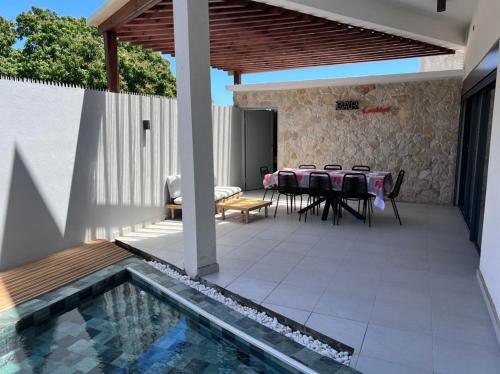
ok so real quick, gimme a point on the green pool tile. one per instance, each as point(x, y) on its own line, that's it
point(10, 368)
point(86, 364)
point(80, 356)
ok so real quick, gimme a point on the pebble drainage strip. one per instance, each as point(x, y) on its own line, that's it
point(260, 317)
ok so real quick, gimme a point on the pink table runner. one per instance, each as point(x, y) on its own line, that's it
point(379, 182)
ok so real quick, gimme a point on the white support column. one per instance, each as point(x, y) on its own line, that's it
point(192, 53)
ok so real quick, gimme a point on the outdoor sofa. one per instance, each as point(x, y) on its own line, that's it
point(174, 201)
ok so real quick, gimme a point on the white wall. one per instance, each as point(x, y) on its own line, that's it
point(484, 32)
point(490, 248)
point(227, 145)
point(76, 164)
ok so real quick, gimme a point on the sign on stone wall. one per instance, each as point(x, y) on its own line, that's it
point(347, 105)
point(354, 105)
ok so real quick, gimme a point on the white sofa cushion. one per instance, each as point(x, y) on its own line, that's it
point(220, 192)
point(174, 186)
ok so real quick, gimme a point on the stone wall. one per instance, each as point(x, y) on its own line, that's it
point(419, 134)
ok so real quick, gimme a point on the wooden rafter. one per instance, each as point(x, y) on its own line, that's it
point(247, 36)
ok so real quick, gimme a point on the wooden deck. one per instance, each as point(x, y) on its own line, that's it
point(34, 279)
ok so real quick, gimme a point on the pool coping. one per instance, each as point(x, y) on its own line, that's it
point(294, 325)
point(56, 302)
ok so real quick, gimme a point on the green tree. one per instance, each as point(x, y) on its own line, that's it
point(65, 49)
point(8, 55)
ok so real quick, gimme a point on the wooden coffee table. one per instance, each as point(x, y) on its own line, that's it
point(245, 206)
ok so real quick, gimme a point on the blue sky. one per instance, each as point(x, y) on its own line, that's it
point(84, 8)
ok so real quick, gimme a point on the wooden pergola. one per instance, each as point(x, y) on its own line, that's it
point(238, 36)
point(248, 37)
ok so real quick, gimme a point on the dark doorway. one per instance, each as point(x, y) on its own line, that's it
point(260, 144)
point(475, 132)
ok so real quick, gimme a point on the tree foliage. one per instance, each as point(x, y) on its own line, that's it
point(65, 49)
point(8, 56)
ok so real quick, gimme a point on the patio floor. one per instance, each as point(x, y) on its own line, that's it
point(406, 298)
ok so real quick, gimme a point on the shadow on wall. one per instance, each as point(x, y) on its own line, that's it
point(29, 223)
point(116, 171)
point(84, 168)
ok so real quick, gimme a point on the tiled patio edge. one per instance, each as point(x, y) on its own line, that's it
point(339, 346)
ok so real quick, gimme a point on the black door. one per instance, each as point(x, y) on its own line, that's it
point(475, 130)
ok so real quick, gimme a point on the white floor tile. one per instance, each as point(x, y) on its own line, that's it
point(455, 357)
point(401, 347)
point(412, 317)
point(297, 315)
point(292, 296)
point(268, 272)
point(297, 248)
point(346, 304)
point(306, 278)
point(370, 365)
point(250, 288)
point(323, 265)
point(466, 329)
point(222, 278)
point(344, 330)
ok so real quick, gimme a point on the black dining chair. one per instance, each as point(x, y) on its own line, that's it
point(395, 193)
point(311, 166)
point(288, 185)
point(355, 187)
point(332, 167)
point(320, 185)
point(264, 170)
point(361, 168)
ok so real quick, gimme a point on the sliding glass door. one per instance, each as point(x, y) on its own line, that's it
point(475, 130)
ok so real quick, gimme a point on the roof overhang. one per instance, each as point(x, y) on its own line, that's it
point(250, 36)
point(349, 81)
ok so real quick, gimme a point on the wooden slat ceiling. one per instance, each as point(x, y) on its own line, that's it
point(248, 37)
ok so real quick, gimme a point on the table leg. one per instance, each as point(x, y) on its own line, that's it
point(265, 211)
point(247, 215)
point(326, 209)
point(223, 214)
point(310, 206)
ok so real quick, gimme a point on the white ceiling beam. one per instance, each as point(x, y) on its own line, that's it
point(382, 16)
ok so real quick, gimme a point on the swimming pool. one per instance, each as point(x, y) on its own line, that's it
point(129, 330)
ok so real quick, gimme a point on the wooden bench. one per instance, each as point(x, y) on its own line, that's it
point(178, 207)
point(245, 206)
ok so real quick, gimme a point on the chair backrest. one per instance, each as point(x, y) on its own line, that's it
point(319, 183)
point(311, 166)
point(264, 170)
point(397, 186)
point(287, 181)
point(354, 184)
point(333, 167)
point(361, 168)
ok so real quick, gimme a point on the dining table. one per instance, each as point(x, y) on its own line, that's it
point(379, 184)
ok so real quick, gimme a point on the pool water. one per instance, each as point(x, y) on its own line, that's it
point(126, 330)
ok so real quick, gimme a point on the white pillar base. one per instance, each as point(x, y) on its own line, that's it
point(208, 269)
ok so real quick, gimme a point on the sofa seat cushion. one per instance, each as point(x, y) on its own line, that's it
point(220, 192)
